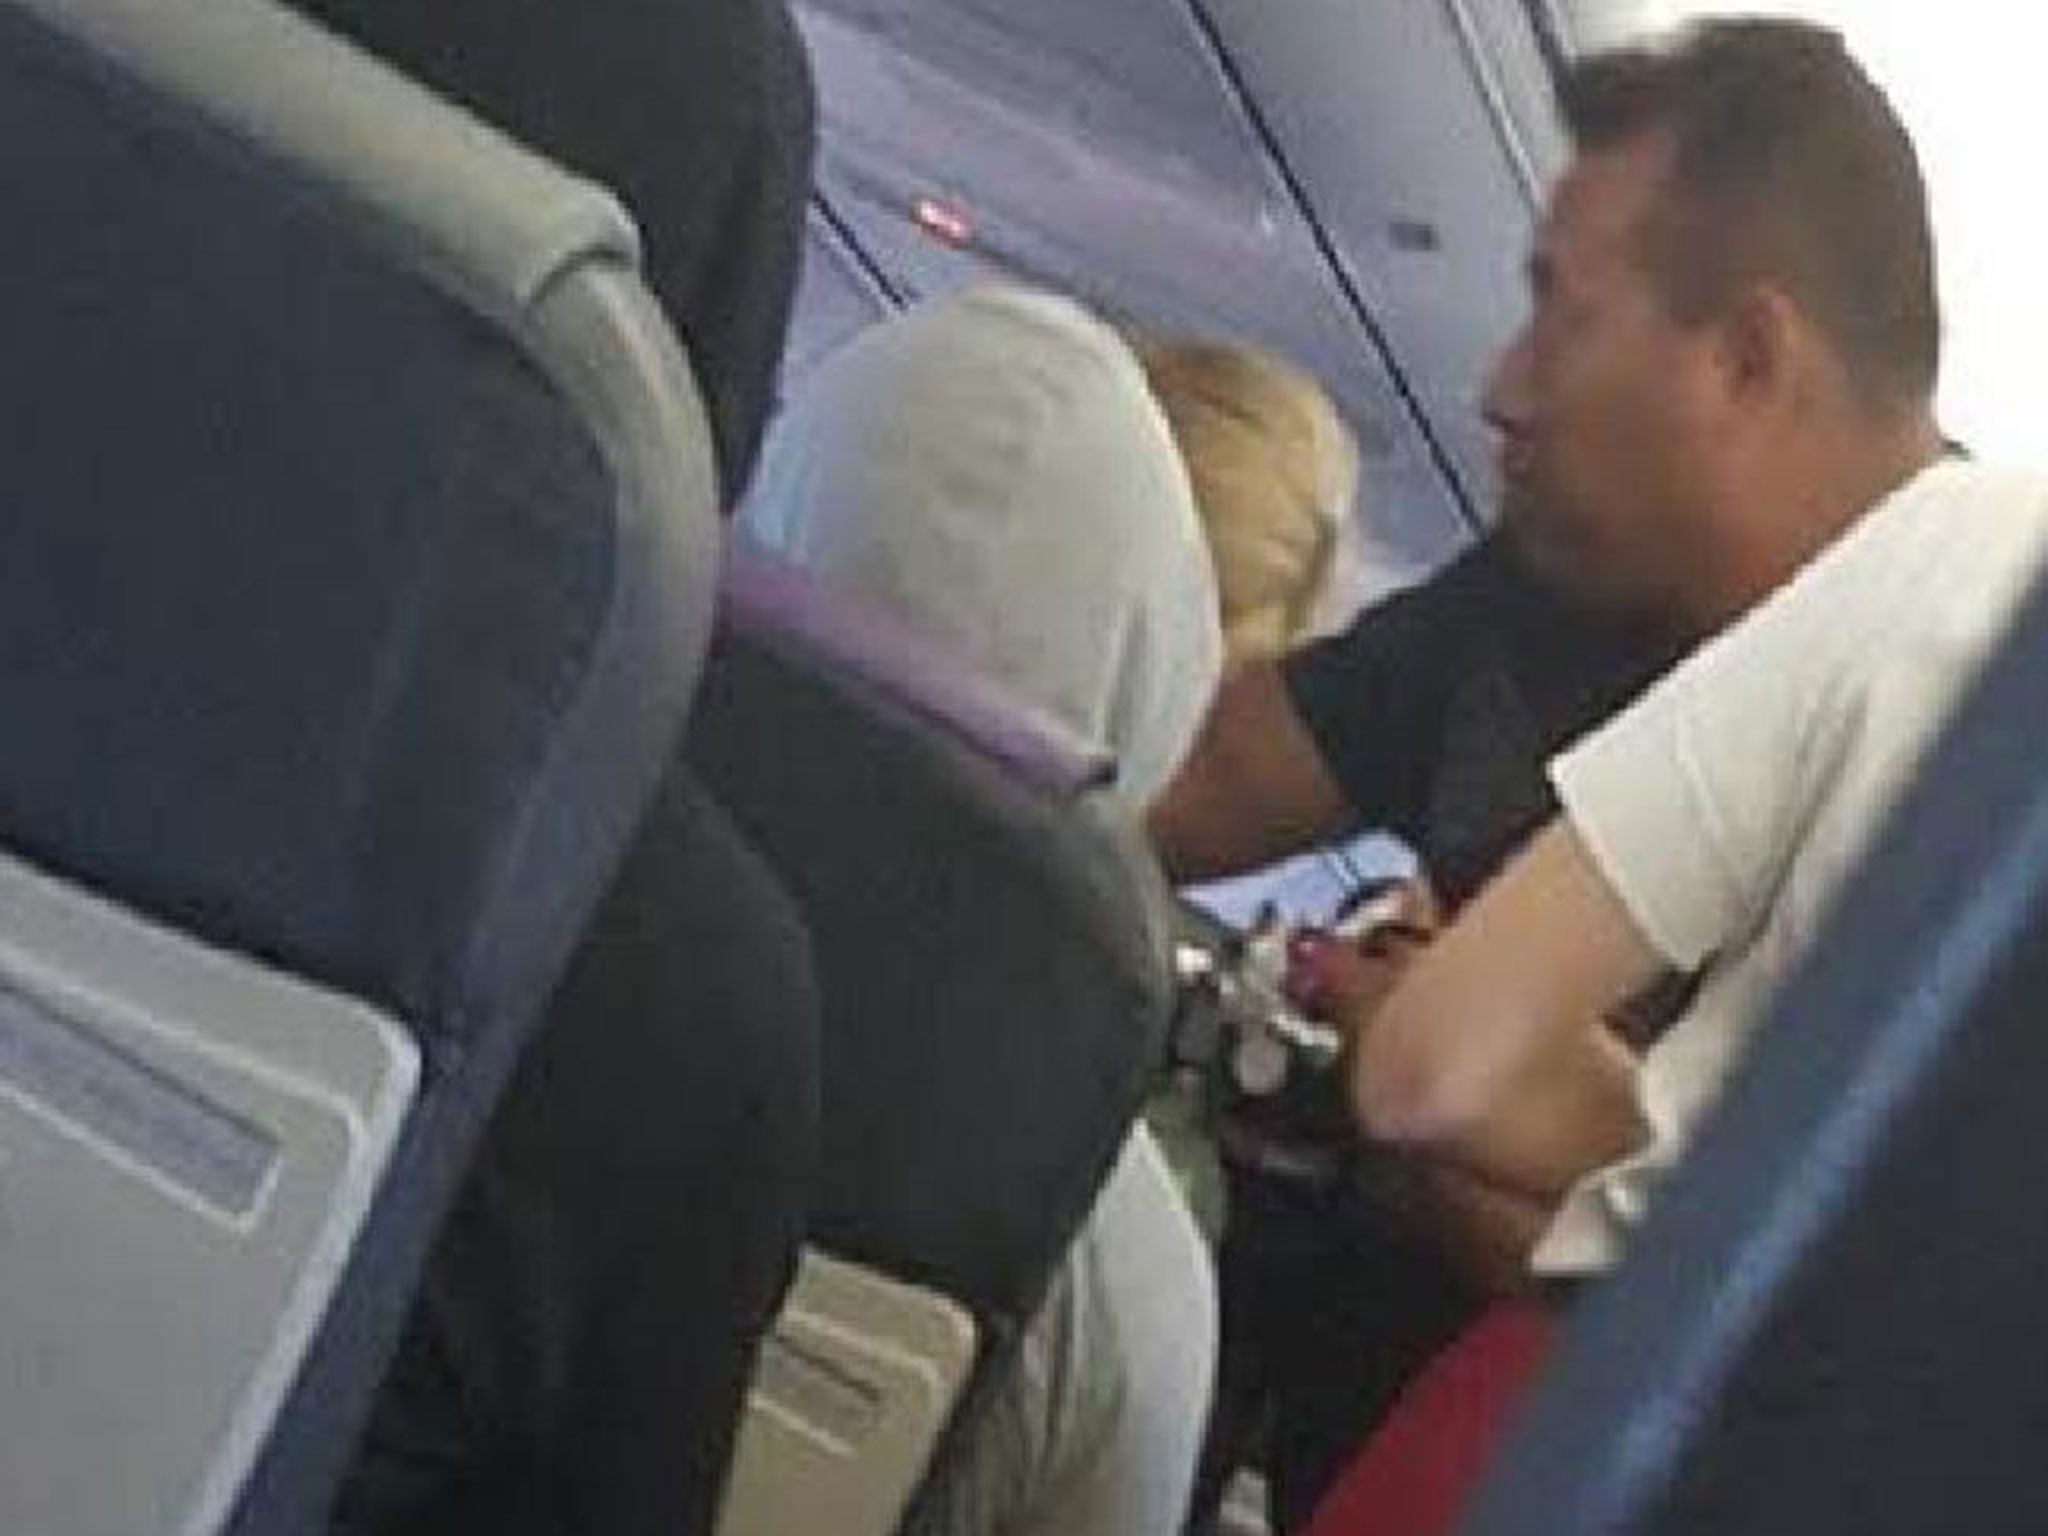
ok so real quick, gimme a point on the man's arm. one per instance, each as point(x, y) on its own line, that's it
point(1487, 1231)
point(1492, 1054)
point(1350, 729)
point(1253, 789)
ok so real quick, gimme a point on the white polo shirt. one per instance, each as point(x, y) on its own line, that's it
point(1727, 805)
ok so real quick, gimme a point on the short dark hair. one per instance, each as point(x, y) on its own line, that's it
point(1789, 164)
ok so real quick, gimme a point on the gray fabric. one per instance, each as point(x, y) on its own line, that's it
point(993, 469)
point(1034, 1425)
point(1092, 1427)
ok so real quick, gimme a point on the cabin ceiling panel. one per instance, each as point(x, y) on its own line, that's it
point(1099, 146)
point(1423, 136)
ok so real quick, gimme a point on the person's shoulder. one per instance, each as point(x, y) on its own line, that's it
point(1953, 527)
point(1491, 565)
point(1930, 569)
point(1955, 486)
point(1983, 533)
point(2017, 495)
point(1485, 585)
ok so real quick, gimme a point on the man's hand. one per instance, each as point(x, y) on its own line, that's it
point(1490, 1053)
point(1484, 1230)
point(1342, 981)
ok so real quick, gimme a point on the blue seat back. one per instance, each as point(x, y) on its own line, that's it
point(354, 584)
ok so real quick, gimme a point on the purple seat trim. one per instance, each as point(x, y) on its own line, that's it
point(766, 598)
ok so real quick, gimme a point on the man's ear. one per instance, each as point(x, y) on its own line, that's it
point(1761, 338)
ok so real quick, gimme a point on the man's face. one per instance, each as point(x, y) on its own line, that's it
point(1602, 401)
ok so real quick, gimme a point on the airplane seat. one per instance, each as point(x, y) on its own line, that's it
point(581, 1350)
point(355, 579)
point(992, 952)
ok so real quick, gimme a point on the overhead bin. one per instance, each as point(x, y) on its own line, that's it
point(1423, 135)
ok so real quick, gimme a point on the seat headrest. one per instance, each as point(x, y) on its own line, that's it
point(771, 601)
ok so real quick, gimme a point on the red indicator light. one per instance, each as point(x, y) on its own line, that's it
point(942, 222)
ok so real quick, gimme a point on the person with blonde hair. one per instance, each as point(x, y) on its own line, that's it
point(1274, 471)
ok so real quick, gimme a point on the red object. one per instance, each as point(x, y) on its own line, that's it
point(943, 222)
point(1309, 957)
point(1416, 1473)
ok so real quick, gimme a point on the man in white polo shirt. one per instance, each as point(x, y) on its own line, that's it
point(1708, 827)
point(1718, 416)
point(1719, 412)
point(1733, 324)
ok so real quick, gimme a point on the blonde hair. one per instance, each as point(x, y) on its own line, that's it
point(1274, 470)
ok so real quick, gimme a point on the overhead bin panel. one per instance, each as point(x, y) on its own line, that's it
point(835, 297)
point(1423, 135)
point(1098, 150)
point(1122, 71)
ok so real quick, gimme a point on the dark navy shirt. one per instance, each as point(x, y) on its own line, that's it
point(1438, 708)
